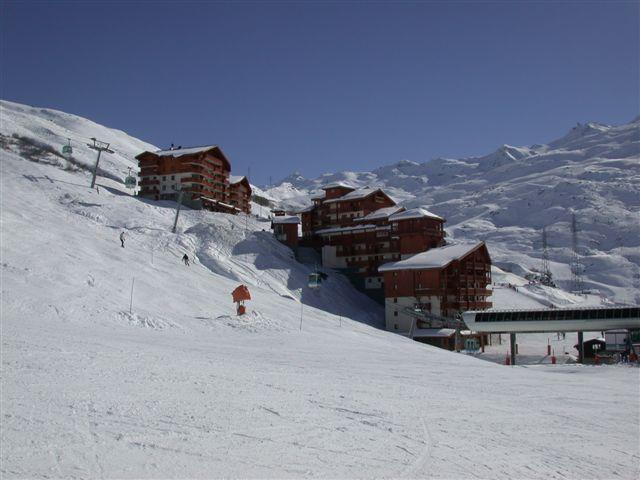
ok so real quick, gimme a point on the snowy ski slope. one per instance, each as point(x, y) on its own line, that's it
point(181, 387)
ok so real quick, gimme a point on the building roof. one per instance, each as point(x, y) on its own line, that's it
point(380, 214)
point(356, 194)
point(414, 213)
point(433, 332)
point(434, 258)
point(290, 219)
point(180, 152)
point(306, 209)
point(236, 178)
point(222, 204)
point(337, 185)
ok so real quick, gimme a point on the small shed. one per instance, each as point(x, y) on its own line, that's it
point(438, 337)
point(591, 347)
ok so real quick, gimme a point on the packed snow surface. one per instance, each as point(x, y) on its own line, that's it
point(126, 363)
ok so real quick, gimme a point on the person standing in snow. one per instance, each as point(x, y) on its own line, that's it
point(122, 239)
point(185, 259)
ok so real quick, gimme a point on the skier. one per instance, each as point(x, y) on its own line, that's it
point(122, 239)
point(185, 259)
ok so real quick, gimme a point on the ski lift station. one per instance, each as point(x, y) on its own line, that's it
point(553, 320)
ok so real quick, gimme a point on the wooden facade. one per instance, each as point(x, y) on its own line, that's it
point(285, 228)
point(341, 206)
point(456, 285)
point(240, 193)
point(202, 173)
point(386, 235)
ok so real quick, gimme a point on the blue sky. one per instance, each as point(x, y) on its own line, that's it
point(325, 86)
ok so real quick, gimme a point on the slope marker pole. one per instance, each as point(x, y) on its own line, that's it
point(133, 280)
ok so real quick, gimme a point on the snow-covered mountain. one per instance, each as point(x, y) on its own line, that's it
point(124, 362)
point(508, 196)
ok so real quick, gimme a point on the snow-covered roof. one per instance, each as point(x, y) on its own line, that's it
point(355, 195)
point(434, 258)
point(337, 185)
point(222, 204)
point(290, 219)
point(306, 209)
point(177, 152)
point(236, 178)
point(414, 213)
point(380, 213)
point(433, 332)
point(344, 229)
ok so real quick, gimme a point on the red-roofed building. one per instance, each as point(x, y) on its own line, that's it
point(442, 281)
point(202, 173)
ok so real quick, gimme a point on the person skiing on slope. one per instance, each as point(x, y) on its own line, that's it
point(122, 239)
point(185, 259)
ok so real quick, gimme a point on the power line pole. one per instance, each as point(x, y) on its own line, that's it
point(100, 147)
point(546, 271)
point(576, 267)
point(67, 150)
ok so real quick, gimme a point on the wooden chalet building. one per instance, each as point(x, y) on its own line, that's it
point(285, 228)
point(240, 193)
point(384, 235)
point(202, 173)
point(443, 281)
point(396, 256)
point(340, 206)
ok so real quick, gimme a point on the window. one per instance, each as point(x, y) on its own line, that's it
point(395, 286)
point(395, 314)
point(164, 187)
point(164, 178)
point(395, 326)
point(173, 177)
point(395, 300)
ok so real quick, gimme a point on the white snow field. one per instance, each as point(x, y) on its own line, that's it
point(182, 388)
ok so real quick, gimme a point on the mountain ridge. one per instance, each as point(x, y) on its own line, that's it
point(507, 196)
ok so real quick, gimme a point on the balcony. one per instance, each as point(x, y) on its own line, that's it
point(427, 291)
point(147, 181)
point(469, 305)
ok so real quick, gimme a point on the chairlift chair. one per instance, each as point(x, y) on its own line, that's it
point(314, 280)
